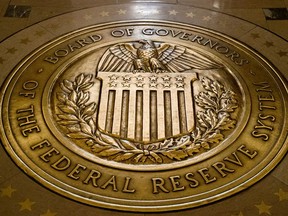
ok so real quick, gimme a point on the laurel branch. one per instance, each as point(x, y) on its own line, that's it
point(78, 116)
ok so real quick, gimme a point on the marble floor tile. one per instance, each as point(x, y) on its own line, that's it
point(204, 4)
point(11, 25)
point(220, 4)
point(276, 13)
point(18, 11)
point(63, 3)
point(278, 26)
point(147, 1)
point(42, 13)
point(252, 15)
point(220, 17)
point(3, 5)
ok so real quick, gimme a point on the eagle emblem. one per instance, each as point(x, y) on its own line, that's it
point(147, 89)
point(145, 103)
point(154, 58)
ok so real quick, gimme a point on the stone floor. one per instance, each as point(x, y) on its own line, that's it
point(262, 24)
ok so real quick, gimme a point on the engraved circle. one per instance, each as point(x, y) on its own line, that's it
point(57, 165)
point(90, 156)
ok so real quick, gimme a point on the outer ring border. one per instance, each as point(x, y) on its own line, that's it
point(236, 189)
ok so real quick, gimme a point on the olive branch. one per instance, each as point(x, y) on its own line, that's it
point(78, 116)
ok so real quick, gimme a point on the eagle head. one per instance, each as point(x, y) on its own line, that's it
point(146, 43)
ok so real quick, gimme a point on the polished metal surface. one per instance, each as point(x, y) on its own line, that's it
point(147, 108)
point(145, 115)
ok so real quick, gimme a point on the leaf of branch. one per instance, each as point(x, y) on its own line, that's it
point(175, 154)
point(229, 124)
point(68, 84)
point(217, 88)
point(98, 148)
point(206, 83)
point(64, 88)
point(107, 139)
point(61, 97)
point(123, 157)
point(90, 109)
point(78, 135)
point(138, 158)
point(157, 158)
point(67, 122)
point(67, 117)
point(73, 128)
point(215, 138)
point(127, 145)
point(67, 109)
point(109, 152)
point(79, 79)
point(85, 128)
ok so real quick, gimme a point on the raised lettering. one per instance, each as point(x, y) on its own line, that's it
point(76, 171)
point(221, 167)
point(112, 182)
point(148, 31)
point(222, 49)
point(211, 43)
point(30, 85)
point(264, 87)
point(95, 38)
point(51, 59)
point(62, 164)
point(236, 159)
point(73, 47)
point(61, 52)
point(44, 143)
point(175, 34)
point(93, 176)
point(83, 42)
point(176, 184)
point(189, 177)
point(247, 152)
point(197, 38)
point(233, 56)
point(158, 183)
point(270, 97)
point(262, 107)
point(30, 130)
point(256, 134)
point(162, 32)
point(49, 154)
point(263, 126)
point(126, 186)
point(122, 32)
point(185, 36)
point(206, 176)
point(241, 62)
point(266, 117)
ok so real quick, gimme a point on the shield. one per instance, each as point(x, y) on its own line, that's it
point(146, 107)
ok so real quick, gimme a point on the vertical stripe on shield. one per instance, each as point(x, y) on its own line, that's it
point(110, 111)
point(124, 114)
point(153, 116)
point(182, 112)
point(139, 116)
point(168, 114)
point(148, 115)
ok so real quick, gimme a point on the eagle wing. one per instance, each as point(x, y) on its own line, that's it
point(118, 58)
point(178, 59)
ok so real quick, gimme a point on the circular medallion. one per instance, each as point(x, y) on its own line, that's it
point(145, 115)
